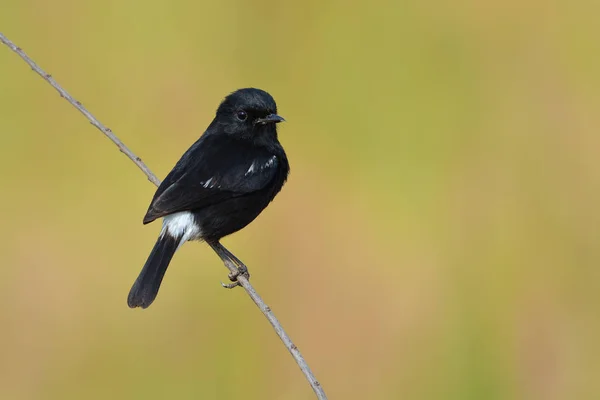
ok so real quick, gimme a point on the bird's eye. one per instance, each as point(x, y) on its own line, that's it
point(241, 115)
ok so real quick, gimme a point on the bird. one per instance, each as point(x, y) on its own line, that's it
point(219, 186)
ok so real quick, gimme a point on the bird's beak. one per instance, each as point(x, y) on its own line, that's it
point(269, 119)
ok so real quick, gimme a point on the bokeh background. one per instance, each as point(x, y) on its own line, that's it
point(438, 237)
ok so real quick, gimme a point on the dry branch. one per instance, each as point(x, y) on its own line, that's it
point(266, 310)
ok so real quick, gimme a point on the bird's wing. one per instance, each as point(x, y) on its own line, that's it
point(210, 172)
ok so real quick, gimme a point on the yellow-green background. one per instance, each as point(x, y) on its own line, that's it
point(438, 237)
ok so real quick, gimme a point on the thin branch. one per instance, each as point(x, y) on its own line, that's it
point(266, 310)
point(77, 104)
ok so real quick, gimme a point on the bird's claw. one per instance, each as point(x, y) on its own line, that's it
point(230, 285)
point(233, 277)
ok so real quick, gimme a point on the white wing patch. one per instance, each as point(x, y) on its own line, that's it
point(254, 168)
point(181, 224)
point(269, 163)
point(210, 183)
point(207, 183)
point(251, 169)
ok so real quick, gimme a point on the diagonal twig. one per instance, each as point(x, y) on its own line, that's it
point(266, 310)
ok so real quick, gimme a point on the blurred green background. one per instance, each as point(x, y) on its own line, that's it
point(438, 237)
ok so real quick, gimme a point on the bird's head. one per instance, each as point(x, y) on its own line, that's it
point(248, 113)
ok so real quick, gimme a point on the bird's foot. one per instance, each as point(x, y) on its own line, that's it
point(233, 277)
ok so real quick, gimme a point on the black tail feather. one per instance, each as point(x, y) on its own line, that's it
point(145, 288)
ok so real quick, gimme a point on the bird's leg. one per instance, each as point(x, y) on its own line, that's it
point(243, 270)
point(227, 256)
point(219, 249)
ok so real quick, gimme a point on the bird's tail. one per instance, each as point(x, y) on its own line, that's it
point(145, 287)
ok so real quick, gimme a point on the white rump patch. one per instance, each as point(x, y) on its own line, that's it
point(181, 224)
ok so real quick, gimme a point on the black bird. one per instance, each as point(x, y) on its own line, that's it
point(218, 186)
